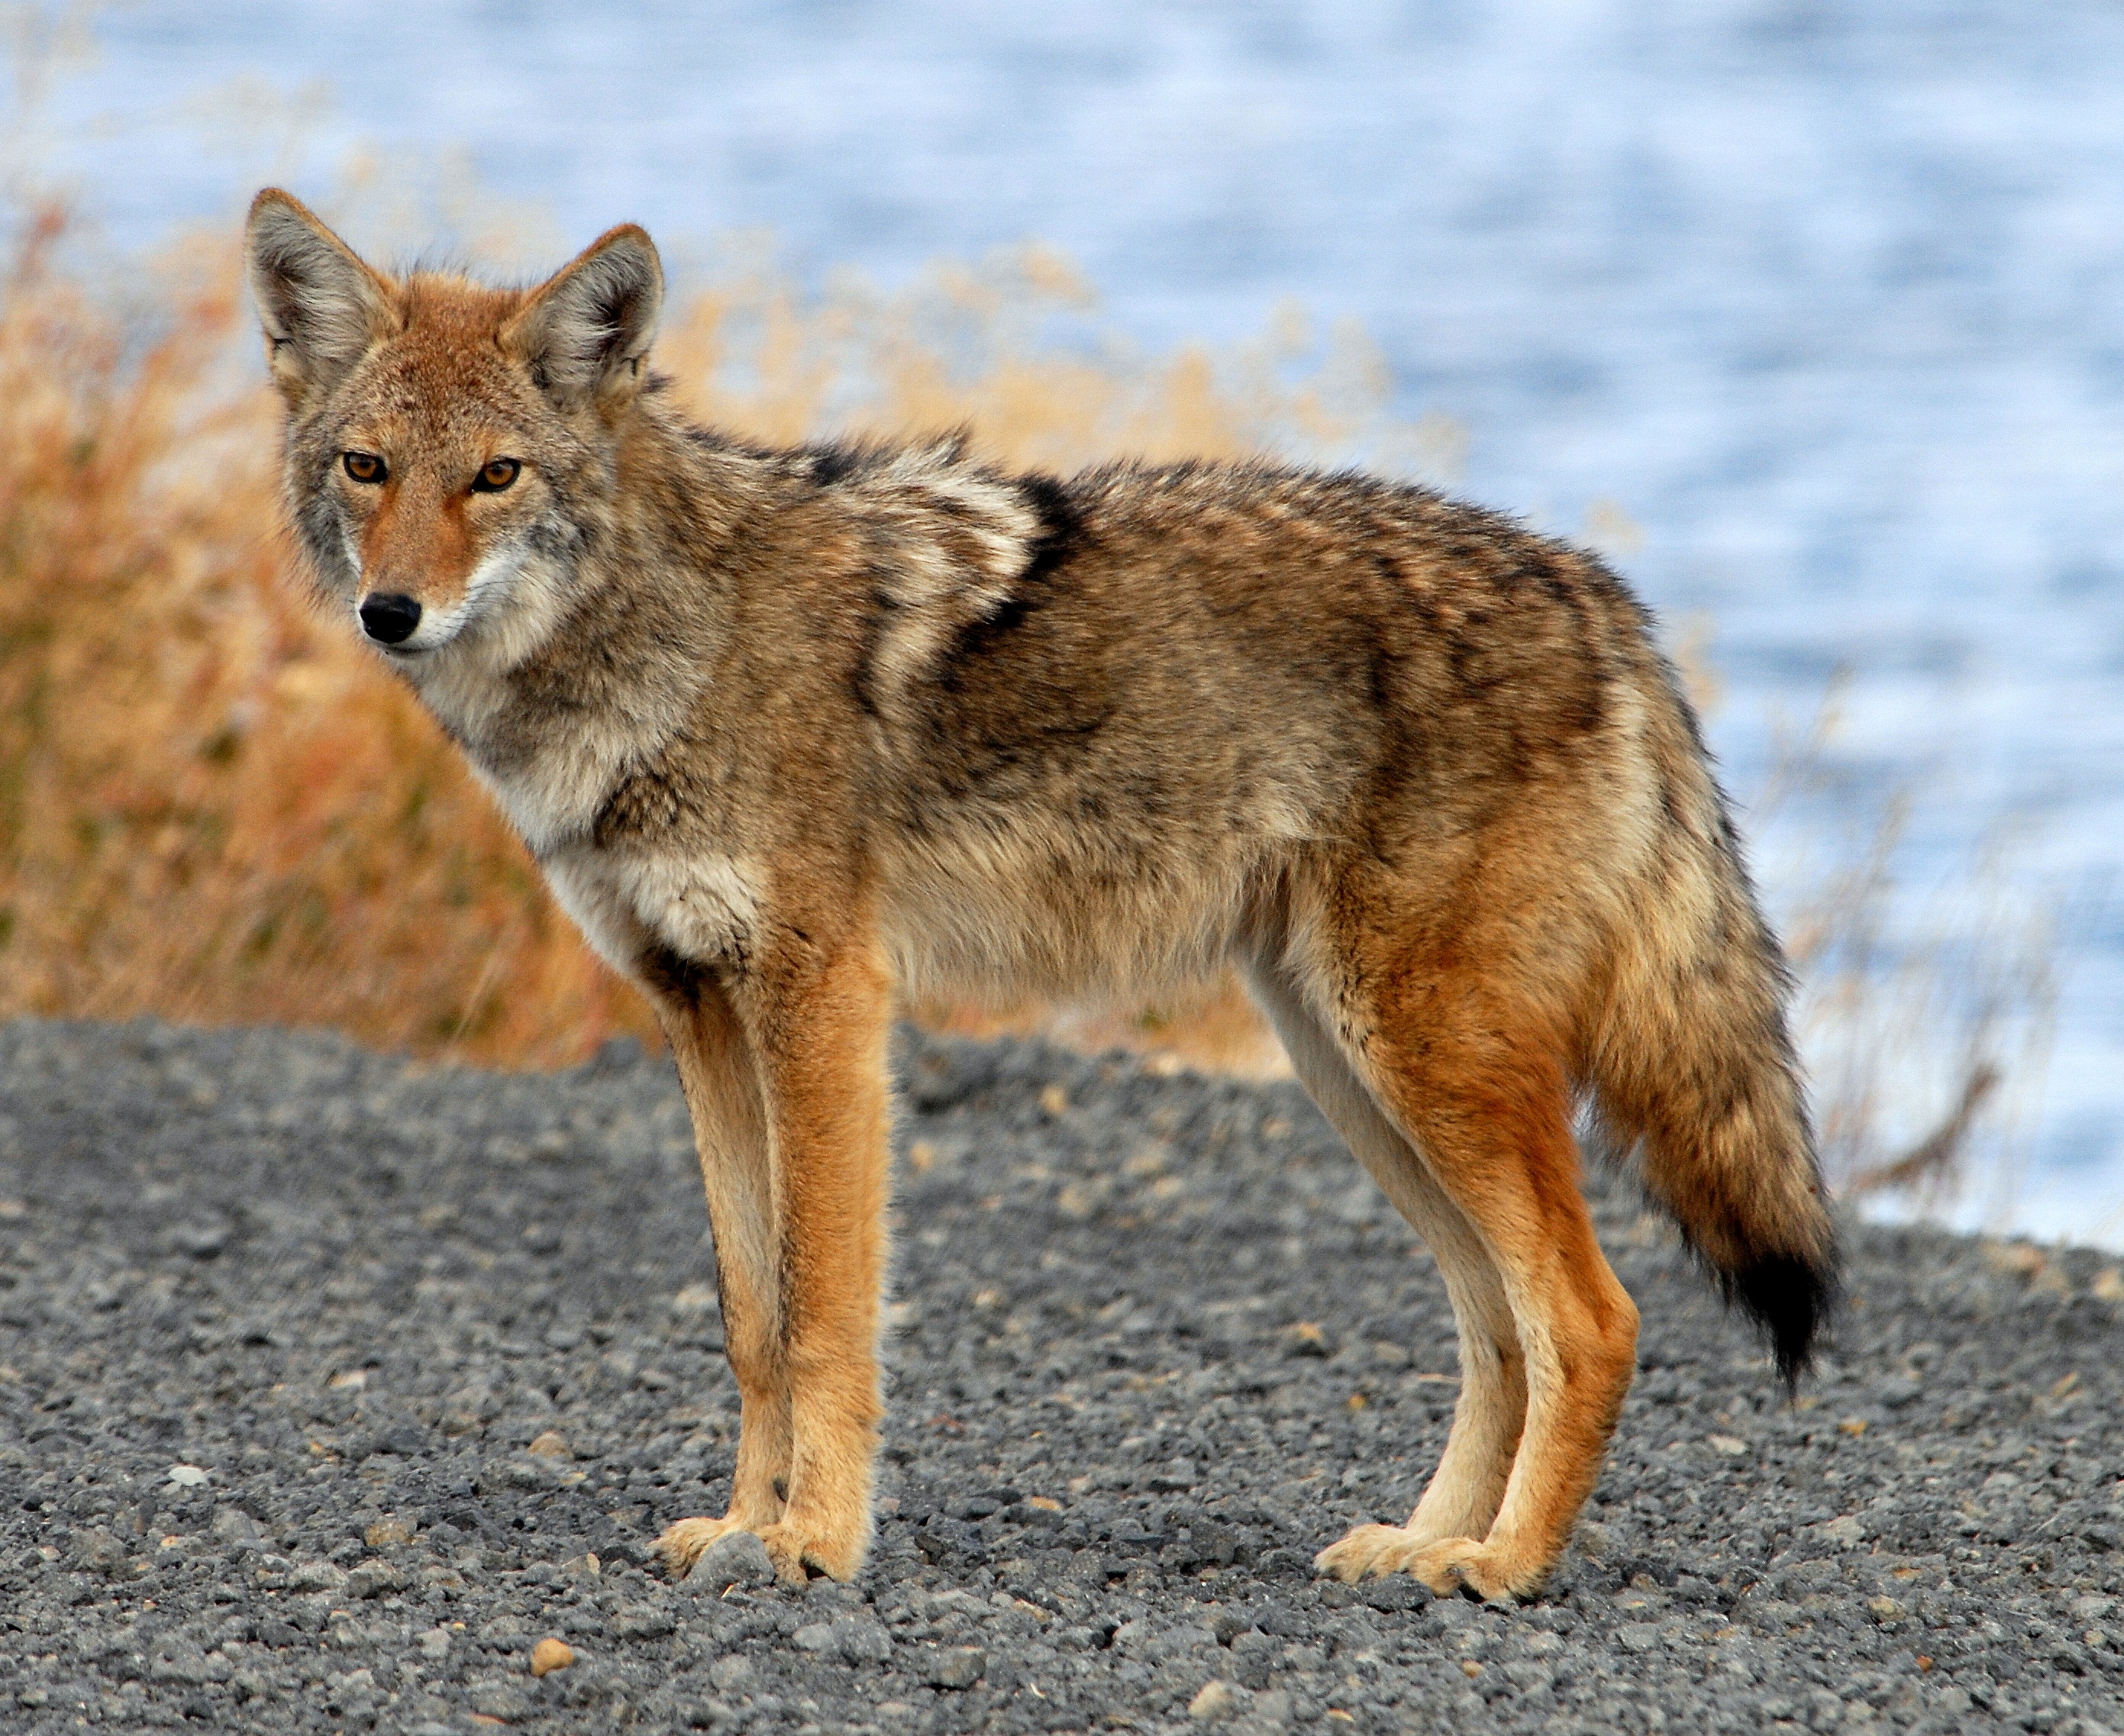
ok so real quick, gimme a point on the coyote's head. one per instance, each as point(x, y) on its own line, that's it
point(450, 446)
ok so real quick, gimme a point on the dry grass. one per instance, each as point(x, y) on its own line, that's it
point(1926, 1016)
point(211, 807)
point(215, 807)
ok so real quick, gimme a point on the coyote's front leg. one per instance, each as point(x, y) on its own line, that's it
point(802, 1322)
point(721, 1078)
point(822, 1038)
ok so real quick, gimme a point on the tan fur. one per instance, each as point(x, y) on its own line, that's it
point(794, 732)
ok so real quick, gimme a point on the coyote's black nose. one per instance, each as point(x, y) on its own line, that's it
point(390, 620)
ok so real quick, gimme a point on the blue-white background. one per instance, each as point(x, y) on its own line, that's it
point(1828, 299)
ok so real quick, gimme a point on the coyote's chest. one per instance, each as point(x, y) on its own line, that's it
point(629, 894)
point(632, 895)
point(704, 906)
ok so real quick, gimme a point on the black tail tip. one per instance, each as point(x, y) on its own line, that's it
point(1790, 1297)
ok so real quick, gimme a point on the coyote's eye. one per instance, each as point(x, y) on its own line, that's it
point(363, 466)
point(495, 475)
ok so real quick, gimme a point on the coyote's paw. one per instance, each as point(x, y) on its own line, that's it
point(685, 1543)
point(1370, 1551)
point(801, 1552)
point(1461, 1564)
point(1445, 1565)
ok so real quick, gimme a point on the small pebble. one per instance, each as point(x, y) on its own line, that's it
point(738, 1557)
point(955, 1666)
point(1213, 1700)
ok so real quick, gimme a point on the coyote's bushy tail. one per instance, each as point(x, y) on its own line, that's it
point(1692, 1064)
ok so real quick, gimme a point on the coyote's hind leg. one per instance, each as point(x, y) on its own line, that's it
point(720, 1077)
point(1479, 1084)
point(1464, 1492)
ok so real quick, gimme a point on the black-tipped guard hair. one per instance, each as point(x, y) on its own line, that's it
point(1790, 1298)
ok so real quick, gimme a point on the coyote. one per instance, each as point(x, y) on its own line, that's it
point(793, 732)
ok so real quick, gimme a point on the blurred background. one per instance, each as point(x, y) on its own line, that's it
point(1809, 317)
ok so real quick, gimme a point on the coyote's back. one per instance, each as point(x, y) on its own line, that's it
point(794, 731)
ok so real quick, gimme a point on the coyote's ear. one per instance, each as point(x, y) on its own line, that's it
point(322, 307)
point(583, 333)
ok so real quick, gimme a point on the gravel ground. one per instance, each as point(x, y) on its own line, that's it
point(333, 1385)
